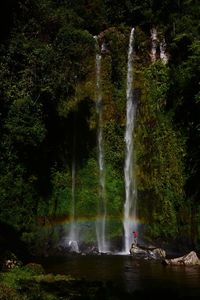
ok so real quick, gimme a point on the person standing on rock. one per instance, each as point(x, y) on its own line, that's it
point(135, 237)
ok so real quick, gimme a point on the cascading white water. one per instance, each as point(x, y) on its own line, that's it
point(101, 218)
point(130, 186)
point(154, 42)
point(163, 55)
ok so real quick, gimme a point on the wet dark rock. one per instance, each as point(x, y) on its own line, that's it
point(190, 259)
point(147, 253)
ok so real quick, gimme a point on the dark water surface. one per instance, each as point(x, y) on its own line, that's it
point(145, 278)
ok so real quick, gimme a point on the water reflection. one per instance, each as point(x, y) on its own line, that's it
point(130, 275)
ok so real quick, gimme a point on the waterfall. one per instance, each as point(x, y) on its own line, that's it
point(72, 234)
point(130, 186)
point(73, 243)
point(101, 218)
point(154, 41)
point(163, 55)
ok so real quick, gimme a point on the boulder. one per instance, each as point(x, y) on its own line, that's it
point(190, 259)
point(147, 253)
point(74, 246)
point(10, 261)
point(157, 253)
point(34, 268)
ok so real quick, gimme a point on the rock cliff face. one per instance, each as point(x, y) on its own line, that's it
point(147, 253)
point(190, 259)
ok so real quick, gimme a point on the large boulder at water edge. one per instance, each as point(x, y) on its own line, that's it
point(190, 259)
point(147, 253)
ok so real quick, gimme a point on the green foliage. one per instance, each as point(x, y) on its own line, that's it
point(87, 189)
point(61, 199)
point(17, 198)
point(116, 40)
point(184, 102)
point(24, 123)
point(47, 76)
point(23, 283)
point(158, 80)
point(160, 154)
point(114, 192)
point(27, 283)
point(14, 277)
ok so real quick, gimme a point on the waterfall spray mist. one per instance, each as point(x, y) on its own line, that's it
point(73, 239)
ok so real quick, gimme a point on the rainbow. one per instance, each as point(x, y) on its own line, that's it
point(50, 221)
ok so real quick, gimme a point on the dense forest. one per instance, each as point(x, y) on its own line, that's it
point(48, 117)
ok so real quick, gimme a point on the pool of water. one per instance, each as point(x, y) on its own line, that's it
point(132, 276)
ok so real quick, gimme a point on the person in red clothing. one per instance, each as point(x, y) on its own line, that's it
point(135, 236)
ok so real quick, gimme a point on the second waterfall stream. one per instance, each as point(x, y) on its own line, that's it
point(129, 221)
point(101, 214)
